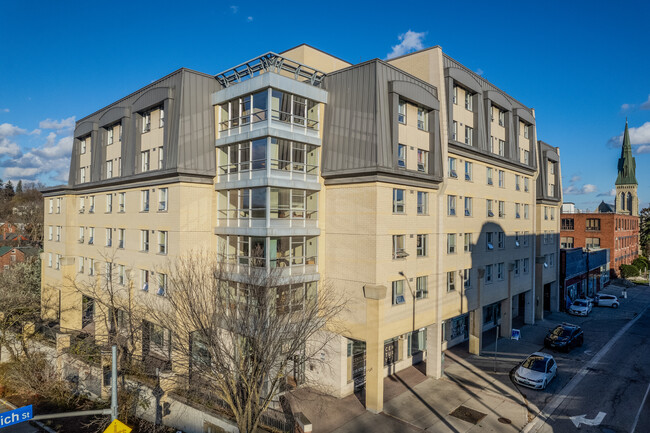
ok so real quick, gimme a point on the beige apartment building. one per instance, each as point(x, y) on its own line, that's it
point(413, 187)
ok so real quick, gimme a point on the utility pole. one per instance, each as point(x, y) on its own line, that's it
point(114, 383)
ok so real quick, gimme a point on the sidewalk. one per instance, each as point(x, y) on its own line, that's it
point(470, 387)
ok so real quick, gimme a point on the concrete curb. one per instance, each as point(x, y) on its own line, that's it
point(38, 423)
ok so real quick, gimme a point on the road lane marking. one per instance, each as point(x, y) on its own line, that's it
point(636, 420)
point(555, 402)
point(581, 419)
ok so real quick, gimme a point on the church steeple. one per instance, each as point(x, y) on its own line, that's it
point(626, 163)
point(627, 201)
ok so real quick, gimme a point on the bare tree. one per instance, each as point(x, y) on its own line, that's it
point(237, 337)
point(20, 300)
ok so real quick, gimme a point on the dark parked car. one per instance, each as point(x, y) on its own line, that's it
point(564, 337)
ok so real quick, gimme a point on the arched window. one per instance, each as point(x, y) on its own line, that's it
point(628, 205)
point(622, 201)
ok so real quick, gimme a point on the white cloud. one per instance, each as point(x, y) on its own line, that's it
point(646, 104)
point(57, 124)
point(249, 19)
point(610, 193)
point(575, 178)
point(9, 130)
point(5, 110)
point(638, 136)
point(409, 41)
point(19, 172)
point(35, 132)
point(480, 71)
point(62, 148)
point(627, 107)
point(644, 148)
point(8, 147)
point(587, 188)
point(234, 9)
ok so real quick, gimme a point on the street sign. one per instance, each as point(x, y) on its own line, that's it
point(516, 334)
point(117, 427)
point(16, 416)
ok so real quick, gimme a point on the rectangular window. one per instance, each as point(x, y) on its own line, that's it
point(161, 158)
point(468, 171)
point(552, 210)
point(502, 179)
point(162, 117)
point(122, 201)
point(488, 274)
point(423, 161)
point(469, 103)
point(451, 205)
point(526, 131)
point(121, 275)
point(423, 119)
point(526, 157)
point(82, 205)
point(517, 210)
point(502, 148)
point(526, 208)
point(502, 118)
point(593, 224)
point(545, 212)
point(421, 288)
point(526, 265)
point(91, 235)
point(421, 249)
point(109, 169)
point(144, 240)
point(488, 206)
point(162, 199)
point(81, 235)
point(467, 282)
point(452, 167)
point(109, 203)
point(567, 242)
point(82, 146)
point(501, 239)
point(401, 112)
point(80, 265)
point(489, 241)
point(451, 243)
point(502, 209)
point(517, 243)
point(455, 100)
point(58, 205)
point(121, 237)
point(398, 292)
point(398, 247)
point(516, 268)
point(517, 187)
point(489, 176)
point(58, 261)
point(144, 156)
point(162, 242)
point(468, 242)
point(401, 156)
point(119, 166)
point(49, 260)
point(591, 243)
point(398, 200)
point(91, 266)
point(468, 206)
point(454, 135)
point(146, 122)
point(51, 233)
point(500, 271)
point(525, 239)
point(469, 132)
point(109, 237)
point(58, 233)
point(162, 284)
point(451, 281)
point(525, 184)
point(144, 205)
point(423, 203)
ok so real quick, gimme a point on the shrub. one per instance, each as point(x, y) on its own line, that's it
point(628, 271)
point(641, 263)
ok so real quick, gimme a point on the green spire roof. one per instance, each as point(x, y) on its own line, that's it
point(626, 163)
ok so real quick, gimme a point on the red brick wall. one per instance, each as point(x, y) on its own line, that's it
point(623, 252)
point(5, 260)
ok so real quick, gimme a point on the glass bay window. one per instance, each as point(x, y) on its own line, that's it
point(284, 203)
point(272, 252)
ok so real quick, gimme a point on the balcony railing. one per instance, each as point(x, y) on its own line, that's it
point(277, 218)
point(284, 265)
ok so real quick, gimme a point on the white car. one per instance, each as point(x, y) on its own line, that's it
point(536, 371)
point(603, 300)
point(580, 307)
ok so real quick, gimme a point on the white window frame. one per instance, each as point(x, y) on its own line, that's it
point(163, 238)
point(109, 135)
point(163, 195)
point(401, 112)
point(451, 281)
point(399, 253)
point(144, 200)
point(109, 169)
point(451, 205)
point(144, 241)
point(469, 132)
point(109, 237)
point(109, 203)
point(397, 204)
point(145, 161)
point(398, 293)
point(423, 203)
point(401, 155)
point(469, 101)
point(422, 245)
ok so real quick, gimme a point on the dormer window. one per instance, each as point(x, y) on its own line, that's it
point(502, 118)
point(468, 101)
point(146, 122)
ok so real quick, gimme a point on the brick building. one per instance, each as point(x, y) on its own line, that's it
point(9, 256)
point(613, 227)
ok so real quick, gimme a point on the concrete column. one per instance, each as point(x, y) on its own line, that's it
point(375, 304)
point(434, 350)
point(529, 308)
point(506, 307)
point(476, 330)
point(555, 296)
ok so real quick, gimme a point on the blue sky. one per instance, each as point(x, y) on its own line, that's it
point(583, 66)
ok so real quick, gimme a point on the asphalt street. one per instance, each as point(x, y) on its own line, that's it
point(608, 396)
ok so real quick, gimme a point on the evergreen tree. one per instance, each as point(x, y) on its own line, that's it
point(9, 190)
point(19, 187)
